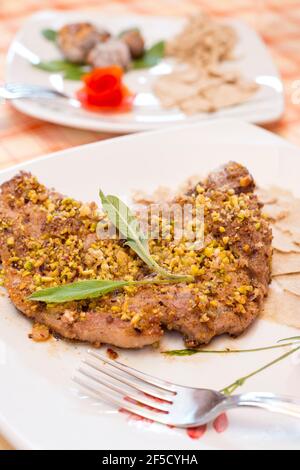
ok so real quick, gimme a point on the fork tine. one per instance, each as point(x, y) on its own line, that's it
point(29, 89)
point(130, 371)
point(24, 86)
point(106, 395)
point(14, 91)
point(20, 87)
point(132, 385)
point(13, 86)
point(134, 396)
point(23, 93)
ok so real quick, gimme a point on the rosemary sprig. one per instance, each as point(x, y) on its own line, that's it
point(191, 352)
point(241, 381)
point(293, 338)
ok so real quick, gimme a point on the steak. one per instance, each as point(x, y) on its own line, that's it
point(47, 239)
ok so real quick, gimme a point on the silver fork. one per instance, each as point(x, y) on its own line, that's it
point(165, 402)
point(15, 91)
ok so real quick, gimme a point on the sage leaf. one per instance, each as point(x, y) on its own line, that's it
point(74, 73)
point(49, 34)
point(79, 290)
point(151, 57)
point(70, 71)
point(53, 65)
point(125, 221)
point(128, 225)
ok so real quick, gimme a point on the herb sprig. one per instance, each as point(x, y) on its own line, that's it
point(70, 70)
point(49, 34)
point(151, 57)
point(88, 289)
point(126, 222)
point(241, 381)
point(191, 352)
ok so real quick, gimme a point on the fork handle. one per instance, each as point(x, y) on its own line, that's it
point(268, 401)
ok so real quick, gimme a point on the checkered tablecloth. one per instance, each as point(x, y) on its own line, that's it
point(277, 21)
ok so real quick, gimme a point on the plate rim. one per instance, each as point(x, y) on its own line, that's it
point(228, 121)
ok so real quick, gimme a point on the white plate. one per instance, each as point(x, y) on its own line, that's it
point(39, 407)
point(253, 60)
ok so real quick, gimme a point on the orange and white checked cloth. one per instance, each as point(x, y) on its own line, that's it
point(277, 21)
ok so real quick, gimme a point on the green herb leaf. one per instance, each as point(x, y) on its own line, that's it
point(125, 221)
point(151, 57)
point(79, 290)
point(53, 65)
point(49, 34)
point(70, 71)
point(75, 73)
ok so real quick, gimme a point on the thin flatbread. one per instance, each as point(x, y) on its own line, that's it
point(292, 232)
point(290, 283)
point(282, 307)
point(291, 222)
point(285, 263)
point(283, 241)
point(275, 212)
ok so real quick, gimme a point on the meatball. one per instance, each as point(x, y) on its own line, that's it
point(135, 42)
point(76, 40)
point(112, 52)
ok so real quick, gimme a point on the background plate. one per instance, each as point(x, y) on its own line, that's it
point(253, 60)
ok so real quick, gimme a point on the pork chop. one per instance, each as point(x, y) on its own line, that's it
point(47, 239)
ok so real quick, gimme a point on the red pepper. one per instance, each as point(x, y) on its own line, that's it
point(103, 90)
